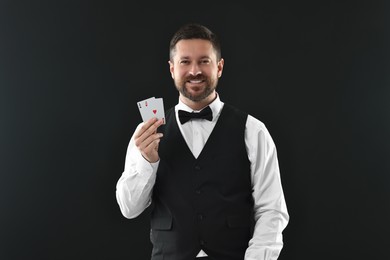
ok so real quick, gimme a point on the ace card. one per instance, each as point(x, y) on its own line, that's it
point(151, 107)
point(158, 109)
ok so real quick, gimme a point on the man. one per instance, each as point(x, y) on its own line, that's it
point(211, 172)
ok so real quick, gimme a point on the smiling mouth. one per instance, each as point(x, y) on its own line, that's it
point(195, 81)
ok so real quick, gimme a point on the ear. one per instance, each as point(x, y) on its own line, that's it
point(171, 68)
point(220, 64)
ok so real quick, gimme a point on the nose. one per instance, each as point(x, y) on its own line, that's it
point(195, 70)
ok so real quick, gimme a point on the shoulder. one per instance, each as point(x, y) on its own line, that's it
point(170, 112)
point(251, 122)
point(257, 131)
point(255, 124)
point(235, 110)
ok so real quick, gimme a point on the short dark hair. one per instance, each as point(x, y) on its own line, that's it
point(194, 31)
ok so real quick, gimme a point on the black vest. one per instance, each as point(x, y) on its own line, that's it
point(204, 203)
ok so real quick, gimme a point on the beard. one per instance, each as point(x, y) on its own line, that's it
point(208, 89)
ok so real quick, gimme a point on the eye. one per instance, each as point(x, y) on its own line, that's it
point(184, 62)
point(206, 61)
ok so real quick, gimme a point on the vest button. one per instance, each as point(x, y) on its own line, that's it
point(198, 192)
point(200, 216)
point(197, 167)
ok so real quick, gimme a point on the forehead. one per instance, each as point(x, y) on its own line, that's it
point(194, 48)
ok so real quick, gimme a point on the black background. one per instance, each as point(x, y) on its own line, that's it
point(315, 72)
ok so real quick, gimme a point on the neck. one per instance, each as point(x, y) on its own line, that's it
point(199, 104)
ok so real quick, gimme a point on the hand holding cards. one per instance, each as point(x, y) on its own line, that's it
point(146, 137)
point(150, 108)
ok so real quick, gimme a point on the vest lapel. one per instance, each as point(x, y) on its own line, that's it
point(174, 128)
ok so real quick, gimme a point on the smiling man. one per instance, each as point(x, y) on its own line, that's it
point(210, 173)
point(195, 68)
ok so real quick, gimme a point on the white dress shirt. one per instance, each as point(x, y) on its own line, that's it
point(134, 187)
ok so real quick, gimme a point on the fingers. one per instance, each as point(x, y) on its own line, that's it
point(150, 151)
point(148, 139)
point(150, 142)
point(145, 126)
point(149, 128)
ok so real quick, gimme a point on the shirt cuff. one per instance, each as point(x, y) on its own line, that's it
point(145, 167)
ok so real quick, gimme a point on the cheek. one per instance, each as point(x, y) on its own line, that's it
point(179, 74)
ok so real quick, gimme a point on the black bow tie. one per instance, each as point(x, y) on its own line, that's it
point(185, 116)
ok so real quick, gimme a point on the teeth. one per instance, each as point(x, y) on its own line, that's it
point(195, 81)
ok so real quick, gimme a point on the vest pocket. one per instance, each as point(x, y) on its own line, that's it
point(238, 221)
point(161, 223)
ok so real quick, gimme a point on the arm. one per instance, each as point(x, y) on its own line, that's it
point(134, 187)
point(270, 209)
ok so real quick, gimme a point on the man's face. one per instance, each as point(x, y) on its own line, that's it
point(195, 69)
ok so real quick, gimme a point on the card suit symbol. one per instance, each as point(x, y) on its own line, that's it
point(154, 111)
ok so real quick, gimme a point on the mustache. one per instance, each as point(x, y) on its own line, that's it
point(199, 77)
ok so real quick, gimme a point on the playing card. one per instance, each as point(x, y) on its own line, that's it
point(151, 107)
point(158, 109)
point(144, 107)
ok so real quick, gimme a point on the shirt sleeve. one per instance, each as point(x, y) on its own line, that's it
point(134, 187)
point(270, 211)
